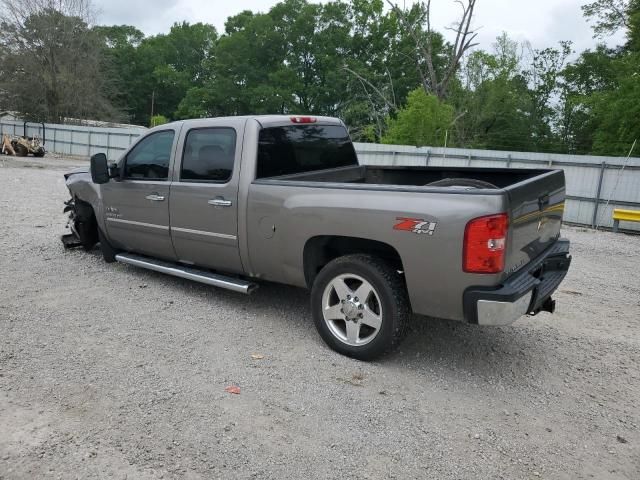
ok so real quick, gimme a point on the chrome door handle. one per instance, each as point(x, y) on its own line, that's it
point(220, 202)
point(154, 197)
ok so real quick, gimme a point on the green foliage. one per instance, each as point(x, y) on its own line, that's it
point(609, 15)
point(50, 67)
point(357, 60)
point(616, 112)
point(601, 91)
point(159, 69)
point(424, 121)
point(158, 120)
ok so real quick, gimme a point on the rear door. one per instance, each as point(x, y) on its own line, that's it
point(204, 196)
point(137, 205)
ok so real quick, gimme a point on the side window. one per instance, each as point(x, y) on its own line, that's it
point(209, 155)
point(149, 159)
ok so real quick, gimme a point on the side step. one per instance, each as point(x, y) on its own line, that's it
point(177, 270)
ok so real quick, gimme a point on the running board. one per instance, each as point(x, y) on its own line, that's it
point(177, 270)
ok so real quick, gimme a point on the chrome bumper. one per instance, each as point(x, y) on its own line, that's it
point(526, 292)
point(502, 313)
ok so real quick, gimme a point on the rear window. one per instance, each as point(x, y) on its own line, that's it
point(303, 148)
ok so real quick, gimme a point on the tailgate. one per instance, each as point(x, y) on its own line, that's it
point(536, 206)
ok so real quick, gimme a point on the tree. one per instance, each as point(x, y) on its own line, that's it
point(247, 72)
point(609, 15)
point(581, 83)
point(50, 62)
point(493, 99)
point(121, 66)
point(602, 89)
point(170, 65)
point(424, 121)
point(417, 21)
point(543, 73)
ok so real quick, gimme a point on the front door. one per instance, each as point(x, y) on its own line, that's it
point(204, 199)
point(137, 206)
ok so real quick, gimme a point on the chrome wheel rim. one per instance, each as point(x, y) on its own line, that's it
point(352, 310)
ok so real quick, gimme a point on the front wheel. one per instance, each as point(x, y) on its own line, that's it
point(360, 306)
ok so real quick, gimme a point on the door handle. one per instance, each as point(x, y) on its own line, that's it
point(220, 202)
point(154, 197)
point(543, 201)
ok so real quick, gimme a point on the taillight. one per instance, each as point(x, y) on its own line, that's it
point(485, 241)
point(304, 119)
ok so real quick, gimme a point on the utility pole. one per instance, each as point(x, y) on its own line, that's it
point(153, 101)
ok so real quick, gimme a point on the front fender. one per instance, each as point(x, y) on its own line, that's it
point(82, 188)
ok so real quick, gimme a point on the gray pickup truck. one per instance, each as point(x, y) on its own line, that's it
point(232, 202)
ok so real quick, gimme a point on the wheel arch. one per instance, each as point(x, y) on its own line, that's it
point(320, 250)
point(85, 223)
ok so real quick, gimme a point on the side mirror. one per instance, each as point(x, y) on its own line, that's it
point(99, 169)
point(114, 171)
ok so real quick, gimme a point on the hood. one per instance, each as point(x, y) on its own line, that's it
point(76, 171)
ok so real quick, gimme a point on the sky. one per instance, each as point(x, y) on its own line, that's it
point(543, 23)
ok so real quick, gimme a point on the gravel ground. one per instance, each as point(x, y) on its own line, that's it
point(107, 371)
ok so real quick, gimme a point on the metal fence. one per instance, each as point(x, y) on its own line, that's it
point(595, 185)
point(77, 140)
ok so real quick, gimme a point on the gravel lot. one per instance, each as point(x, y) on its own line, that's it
point(110, 371)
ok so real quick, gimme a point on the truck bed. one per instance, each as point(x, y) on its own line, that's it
point(410, 176)
point(374, 196)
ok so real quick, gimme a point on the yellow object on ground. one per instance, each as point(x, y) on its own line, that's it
point(625, 216)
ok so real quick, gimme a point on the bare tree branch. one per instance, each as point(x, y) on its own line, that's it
point(423, 35)
point(390, 104)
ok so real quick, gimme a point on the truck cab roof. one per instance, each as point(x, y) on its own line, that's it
point(267, 120)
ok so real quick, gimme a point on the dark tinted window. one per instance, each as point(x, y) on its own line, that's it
point(208, 155)
point(149, 159)
point(303, 148)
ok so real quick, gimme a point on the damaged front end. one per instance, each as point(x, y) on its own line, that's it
point(81, 223)
point(71, 240)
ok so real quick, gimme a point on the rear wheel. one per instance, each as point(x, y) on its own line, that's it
point(360, 306)
point(462, 183)
point(21, 150)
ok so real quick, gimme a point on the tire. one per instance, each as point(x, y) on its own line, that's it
point(39, 153)
point(108, 252)
point(84, 222)
point(461, 182)
point(385, 306)
point(21, 150)
point(87, 232)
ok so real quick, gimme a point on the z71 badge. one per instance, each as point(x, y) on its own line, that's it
point(416, 225)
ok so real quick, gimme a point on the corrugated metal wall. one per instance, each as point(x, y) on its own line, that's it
point(591, 180)
point(77, 140)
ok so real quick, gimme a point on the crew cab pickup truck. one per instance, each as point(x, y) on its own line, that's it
point(232, 202)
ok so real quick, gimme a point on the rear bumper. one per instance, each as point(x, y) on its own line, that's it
point(526, 292)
